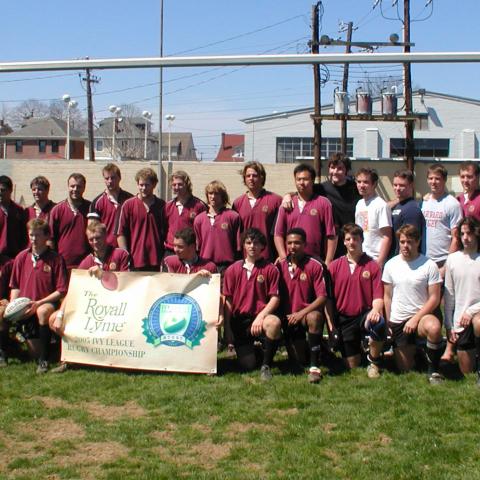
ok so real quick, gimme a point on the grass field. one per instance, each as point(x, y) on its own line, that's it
point(101, 424)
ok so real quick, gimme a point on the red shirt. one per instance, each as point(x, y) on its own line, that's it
point(471, 208)
point(355, 292)
point(144, 229)
point(68, 231)
point(43, 213)
point(6, 266)
point(219, 242)
point(250, 295)
point(316, 219)
point(36, 279)
point(116, 260)
point(173, 264)
point(304, 287)
point(13, 229)
point(177, 221)
point(262, 216)
point(107, 210)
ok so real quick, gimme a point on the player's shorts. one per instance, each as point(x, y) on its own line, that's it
point(399, 337)
point(466, 339)
point(351, 331)
point(240, 326)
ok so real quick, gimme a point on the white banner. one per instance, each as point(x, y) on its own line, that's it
point(146, 321)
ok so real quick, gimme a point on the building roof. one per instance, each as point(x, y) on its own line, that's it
point(43, 128)
point(299, 111)
point(231, 149)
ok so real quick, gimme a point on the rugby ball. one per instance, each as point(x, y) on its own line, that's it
point(16, 309)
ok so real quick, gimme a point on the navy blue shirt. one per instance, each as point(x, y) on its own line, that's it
point(406, 212)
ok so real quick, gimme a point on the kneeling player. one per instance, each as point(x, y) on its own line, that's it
point(412, 285)
point(39, 273)
point(303, 296)
point(358, 292)
point(251, 298)
point(462, 296)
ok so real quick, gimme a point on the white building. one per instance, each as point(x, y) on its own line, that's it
point(448, 130)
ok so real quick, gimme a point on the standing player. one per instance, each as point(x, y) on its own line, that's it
point(39, 273)
point(412, 285)
point(13, 221)
point(186, 259)
point(218, 230)
point(373, 215)
point(6, 265)
point(358, 292)
point(303, 296)
point(182, 210)
point(312, 213)
point(462, 297)
point(106, 207)
point(258, 207)
point(68, 220)
point(251, 298)
point(142, 225)
point(405, 209)
point(42, 205)
point(470, 198)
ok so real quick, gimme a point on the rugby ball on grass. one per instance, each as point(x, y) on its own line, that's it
point(16, 309)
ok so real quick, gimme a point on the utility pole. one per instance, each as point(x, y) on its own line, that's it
point(89, 79)
point(407, 90)
point(317, 121)
point(348, 49)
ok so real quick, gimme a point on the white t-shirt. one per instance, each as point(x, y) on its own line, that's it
point(440, 217)
point(410, 282)
point(462, 287)
point(372, 215)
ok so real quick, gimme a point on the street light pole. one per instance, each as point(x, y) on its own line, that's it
point(147, 116)
point(116, 111)
point(170, 118)
point(69, 103)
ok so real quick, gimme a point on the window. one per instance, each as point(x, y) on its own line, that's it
point(55, 146)
point(294, 149)
point(99, 146)
point(18, 146)
point(424, 147)
point(42, 146)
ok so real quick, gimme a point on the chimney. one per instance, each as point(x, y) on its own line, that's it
point(223, 141)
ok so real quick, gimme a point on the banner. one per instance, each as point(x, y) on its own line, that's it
point(146, 321)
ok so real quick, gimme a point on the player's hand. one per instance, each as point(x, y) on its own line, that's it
point(465, 319)
point(411, 326)
point(373, 317)
point(294, 318)
point(287, 203)
point(57, 324)
point(32, 309)
point(220, 321)
point(452, 336)
point(204, 273)
point(257, 326)
point(96, 272)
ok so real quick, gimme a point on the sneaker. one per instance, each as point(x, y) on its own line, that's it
point(62, 368)
point(436, 378)
point(265, 373)
point(230, 351)
point(373, 371)
point(42, 367)
point(314, 375)
point(3, 360)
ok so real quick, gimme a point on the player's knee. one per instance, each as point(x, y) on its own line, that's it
point(272, 326)
point(314, 321)
point(377, 331)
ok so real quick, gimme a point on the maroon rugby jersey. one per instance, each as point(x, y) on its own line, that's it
point(13, 229)
point(116, 260)
point(172, 264)
point(471, 207)
point(6, 267)
point(44, 213)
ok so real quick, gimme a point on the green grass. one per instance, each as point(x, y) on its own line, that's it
point(102, 424)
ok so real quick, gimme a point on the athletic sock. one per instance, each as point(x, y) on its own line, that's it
point(434, 352)
point(3, 341)
point(270, 350)
point(375, 361)
point(45, 336)
point(315, 344)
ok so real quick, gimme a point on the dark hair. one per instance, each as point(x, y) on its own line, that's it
point(77, 177)
point(186, 234)
point(405, 174)
point(297, 231)
point(352, 229)
point(258, 167)
point(371, 172)
point(6, 181)
point(409, 231)
point(469, 164)
point(473, 225)
point(40, 181)
point(438, 168)
point(255, 235)
point(39, 224)
point(304, 167)
point(112, 168)
point(338, 158)
point(148, 174)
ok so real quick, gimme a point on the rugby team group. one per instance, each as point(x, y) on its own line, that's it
point(331, 255)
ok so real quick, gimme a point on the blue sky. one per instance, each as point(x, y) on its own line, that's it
point(208, 101)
